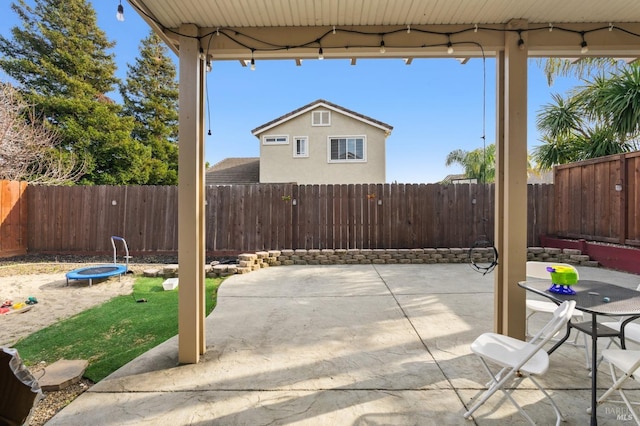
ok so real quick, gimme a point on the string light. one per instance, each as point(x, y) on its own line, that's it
point(238, 37)
point(209, 67)
point(520, 41)
point(449, 44)
point(120, 13)
point(253, 61)
point(201, 55)
point(320, 54)
point(583, 46)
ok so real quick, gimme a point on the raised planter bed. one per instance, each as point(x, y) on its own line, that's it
point(621, 258)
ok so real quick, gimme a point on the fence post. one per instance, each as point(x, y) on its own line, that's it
point(622, 173)
point(13, 218)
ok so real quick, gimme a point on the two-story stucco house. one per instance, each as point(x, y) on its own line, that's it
point(323, 143)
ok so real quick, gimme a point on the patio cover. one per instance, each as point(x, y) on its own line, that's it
point(253, 30)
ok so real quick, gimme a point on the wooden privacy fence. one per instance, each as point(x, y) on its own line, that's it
point(246, 218)
point(599, 199)
point(67, 219)
point(595, 200)
point(347, 216)
point(13, 218)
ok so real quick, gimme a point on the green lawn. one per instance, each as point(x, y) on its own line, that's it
point(114, 333)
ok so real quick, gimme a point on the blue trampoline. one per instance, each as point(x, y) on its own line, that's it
point(103, 271)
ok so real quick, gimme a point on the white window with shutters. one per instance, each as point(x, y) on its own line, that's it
point(321, 118)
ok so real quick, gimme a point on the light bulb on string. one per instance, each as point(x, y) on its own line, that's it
point(584, 48)
point(253, 61)
point(320, 54)
point(449, 44)
point(520, 41)
point(120, 13)
point(382, 47)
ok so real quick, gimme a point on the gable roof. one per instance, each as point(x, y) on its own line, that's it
point(234, 171)
point(321, 103)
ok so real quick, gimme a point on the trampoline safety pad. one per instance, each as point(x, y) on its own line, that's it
point(93, 272)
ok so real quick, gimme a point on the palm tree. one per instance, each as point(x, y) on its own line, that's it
point(564, 131)
point(600, 118)
point(563, 118)
point(616, 101)
point(554, 151)
point(478, 164)
point(582, 69)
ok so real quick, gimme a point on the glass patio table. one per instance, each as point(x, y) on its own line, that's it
point(595, 298)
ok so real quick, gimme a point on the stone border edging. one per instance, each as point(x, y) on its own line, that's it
point(249, 262)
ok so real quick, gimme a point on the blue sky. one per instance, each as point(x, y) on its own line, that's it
point(434, 105)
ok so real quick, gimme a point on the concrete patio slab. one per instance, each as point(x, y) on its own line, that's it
point(339, 345)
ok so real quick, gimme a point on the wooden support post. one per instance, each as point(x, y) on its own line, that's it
point(511, 184)
point(191, 200)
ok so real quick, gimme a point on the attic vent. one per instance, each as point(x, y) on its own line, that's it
point(321, 118)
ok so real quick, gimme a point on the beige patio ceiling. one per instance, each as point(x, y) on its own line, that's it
point(305, 21)
point(305, 13)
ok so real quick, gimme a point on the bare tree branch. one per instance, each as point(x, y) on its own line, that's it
point(29, 149)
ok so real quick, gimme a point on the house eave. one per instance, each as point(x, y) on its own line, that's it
point(321, 104)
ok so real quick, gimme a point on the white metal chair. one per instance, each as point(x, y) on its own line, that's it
point(631, 331)
point(535, 306)
point(519, 359)
point(629, 363)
